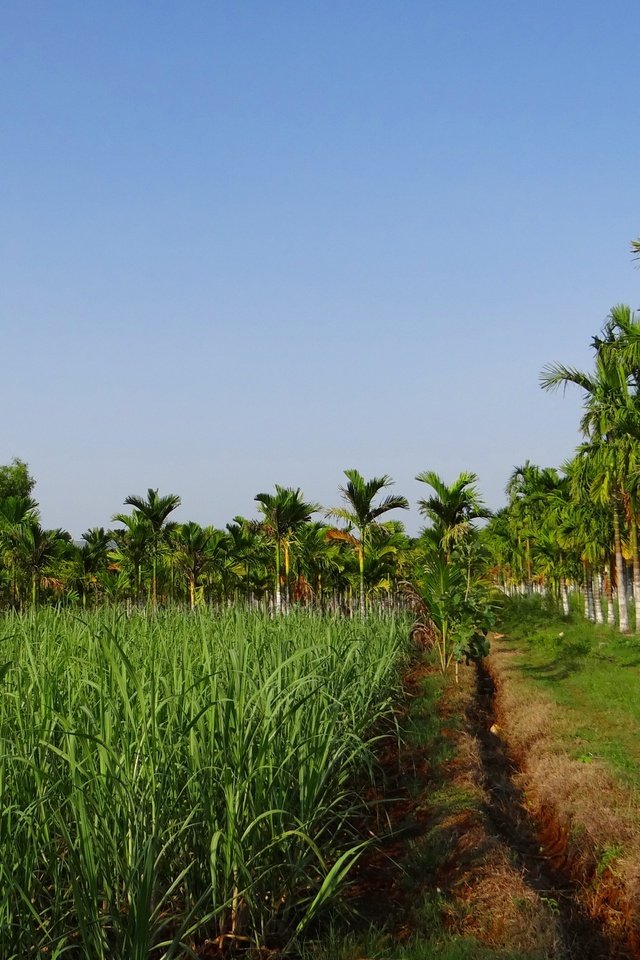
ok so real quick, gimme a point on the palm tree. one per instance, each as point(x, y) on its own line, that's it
point(585, 532)
point(284, 512)
point(530, 489)
point(611, 424)
point(155, 510)
point(608, 465)
point(386, 558)
point(247, 548)
point(359, 495)
point(502, 550)
point(453, 508)
point(316, 560)
point(15, 513)
point(37, 551)
point(92, 558)
point(196, 553)
point(132, 553)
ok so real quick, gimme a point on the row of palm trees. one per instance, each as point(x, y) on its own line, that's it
point(349, 557)
point(579, 525)
point(283, 557)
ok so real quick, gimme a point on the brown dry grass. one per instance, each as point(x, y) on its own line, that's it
point(490, 898)
point(588, 823)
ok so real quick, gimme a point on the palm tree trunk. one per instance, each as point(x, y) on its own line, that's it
point(363, 607)
point(623, 615)
point(636, 564)
point(14, 585)
point(528, 561)
point(588, 583)
point(278, 595)
point(565, 597)
point(287, 586)
point(608, 589)
point(154, 579)
point(597, 600)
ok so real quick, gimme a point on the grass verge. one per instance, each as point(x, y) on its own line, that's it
point(591, 672)
point(568, 705)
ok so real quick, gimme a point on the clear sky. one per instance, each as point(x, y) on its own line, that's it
point(258, 242)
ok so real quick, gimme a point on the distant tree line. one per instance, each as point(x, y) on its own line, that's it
point(347, 558)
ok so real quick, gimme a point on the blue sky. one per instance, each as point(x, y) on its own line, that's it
point(248, 243)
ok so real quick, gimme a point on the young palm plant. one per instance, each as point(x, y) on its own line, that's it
point(452, 509)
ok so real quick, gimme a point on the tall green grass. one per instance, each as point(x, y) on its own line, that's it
point(168, 779)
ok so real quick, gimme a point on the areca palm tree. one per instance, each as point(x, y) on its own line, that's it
point(132, 550)
point(249, 550)
point(317, 559)
point(15, 513)
point(451, 509)
point(362, 514)
point(530, 489)
point(155, 510)
point(37, 551)
point(196, 553)
point(586, 533)
point(611, 425)
point(92, 558)
point(284, 512)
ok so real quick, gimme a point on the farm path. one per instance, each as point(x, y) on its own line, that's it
point(532, 844)
point(458, 839)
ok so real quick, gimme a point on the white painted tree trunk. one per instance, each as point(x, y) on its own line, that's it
point(591, 614)
point(565, 599)
point(597, 600)
point(621, 590)
point(636, 565)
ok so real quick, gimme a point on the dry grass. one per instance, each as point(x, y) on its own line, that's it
point(490, 898)
point(588, 823)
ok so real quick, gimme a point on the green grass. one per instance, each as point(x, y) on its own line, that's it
point(169, 778)
point(591, 672)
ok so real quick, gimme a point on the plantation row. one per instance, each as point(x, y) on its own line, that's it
point(354, 558)
point(578, 526)
point(167, 779)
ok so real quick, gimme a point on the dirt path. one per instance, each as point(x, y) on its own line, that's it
point(580, 937)
point(462, 838)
